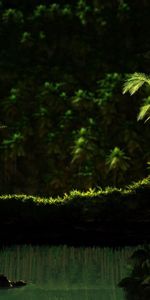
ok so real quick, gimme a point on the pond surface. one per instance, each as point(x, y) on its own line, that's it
point(64, 273)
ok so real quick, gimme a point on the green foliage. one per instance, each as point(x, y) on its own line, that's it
point(82, 11)
point(40, 10)
point(61, 67)
point(106, 87)
point(137, 284)
point(134, 82)
point(144, 110)
point(81, 144)
point(12, 16)
point(123, 7)
point(117, 159)
point(26, 37)
point(95, 208)
point(117, 162)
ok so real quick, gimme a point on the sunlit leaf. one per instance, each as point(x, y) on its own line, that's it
point(134, 82)
point(144, 111)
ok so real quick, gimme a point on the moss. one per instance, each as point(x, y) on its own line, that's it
point(107, 210)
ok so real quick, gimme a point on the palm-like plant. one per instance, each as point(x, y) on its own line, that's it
point(132, 85)
point(117, 163)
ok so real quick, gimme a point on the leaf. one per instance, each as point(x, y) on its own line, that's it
point(144, 110)
point(117, 160)
point(134, 82)
point(147, 119)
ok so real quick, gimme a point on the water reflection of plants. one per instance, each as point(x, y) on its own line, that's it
point(137, 285)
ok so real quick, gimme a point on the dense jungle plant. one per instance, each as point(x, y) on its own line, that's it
point(132, 85)
point(61, 68)
point(118, 164)
point(137, 285)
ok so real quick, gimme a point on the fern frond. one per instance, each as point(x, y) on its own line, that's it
point(134, 82)
point(147, 119)
point(144, 111)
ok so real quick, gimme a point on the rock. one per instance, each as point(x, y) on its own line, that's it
point(18, 283)
point(6, 283)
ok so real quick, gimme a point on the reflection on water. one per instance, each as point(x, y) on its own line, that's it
point(64, 273)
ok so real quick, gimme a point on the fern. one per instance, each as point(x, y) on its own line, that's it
point(144, 111)
point(134, 82)
point(132, 85)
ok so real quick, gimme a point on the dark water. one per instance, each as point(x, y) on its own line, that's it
point(64, 273)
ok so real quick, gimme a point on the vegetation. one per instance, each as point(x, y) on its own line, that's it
point(105, 216)
point(137, 285)
point(132, 84)
point(62, 65)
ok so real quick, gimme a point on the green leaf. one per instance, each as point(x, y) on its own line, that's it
point(134, 82)
point(144, 111)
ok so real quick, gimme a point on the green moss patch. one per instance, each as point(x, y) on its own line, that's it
point(112, 210)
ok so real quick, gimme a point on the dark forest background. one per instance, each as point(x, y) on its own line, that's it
point(62, 68)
